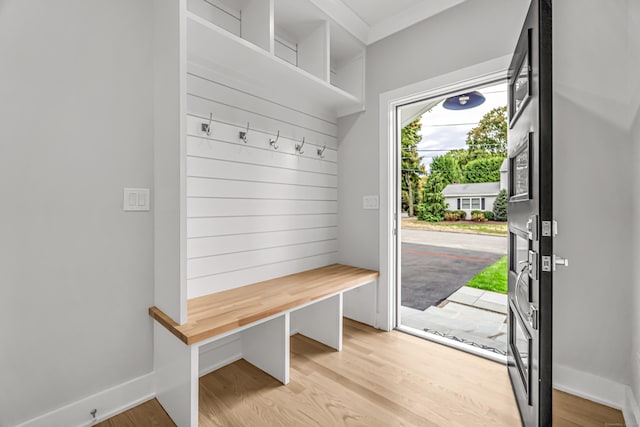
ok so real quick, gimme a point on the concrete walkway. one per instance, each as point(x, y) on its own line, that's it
point(470, 242)
point(471, 315)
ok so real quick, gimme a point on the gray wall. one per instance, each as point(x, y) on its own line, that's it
point(634, 85)
point(593, 170)
point(593, 166)
point(76, 272)
point(468, 34)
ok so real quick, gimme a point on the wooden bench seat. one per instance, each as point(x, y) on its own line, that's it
point(215, 314)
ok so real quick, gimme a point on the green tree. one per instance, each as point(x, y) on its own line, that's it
point(433, 206)
point(412, 167)
point(485, 169)
point(491, 133)
point(447, 167)
point(500, 206)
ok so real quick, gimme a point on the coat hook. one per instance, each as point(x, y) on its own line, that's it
point(274, 142)
point(299, 147)
point(321, 151)
point(243, 134)
point(206, 127)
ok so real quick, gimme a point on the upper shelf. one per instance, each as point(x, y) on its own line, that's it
point(212, 46)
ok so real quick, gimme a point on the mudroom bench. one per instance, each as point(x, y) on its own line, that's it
point(253, 322)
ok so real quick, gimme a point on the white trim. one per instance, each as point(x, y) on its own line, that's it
point(475, 75)
point(631, 411)
point(369, 34)
point(466, 196)
point(345, 17)
point(109, 402)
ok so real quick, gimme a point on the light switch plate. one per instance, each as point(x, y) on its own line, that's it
point(370, 202)
point(136, 199)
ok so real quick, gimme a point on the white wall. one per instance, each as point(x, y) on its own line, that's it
point(468, 34)
point(254, 212)
point(76, 272)
point(593, 168)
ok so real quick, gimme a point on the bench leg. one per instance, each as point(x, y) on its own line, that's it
point(176, 367)
point(321, 321)
point(266, 346)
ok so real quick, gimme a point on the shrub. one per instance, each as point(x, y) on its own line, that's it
point(478, 217)
point(451, 216)
point(462, 215)
point(476, 212)
point(488, 215)
point(500, 206)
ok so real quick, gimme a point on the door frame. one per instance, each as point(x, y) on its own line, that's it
point(389, 217)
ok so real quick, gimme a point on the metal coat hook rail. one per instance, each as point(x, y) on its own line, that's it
point(206, 127)
point(299, 149)
point(321, 151)
point(274, 142)
point(243, 134)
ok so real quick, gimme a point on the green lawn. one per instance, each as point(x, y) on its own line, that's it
point(493, 278)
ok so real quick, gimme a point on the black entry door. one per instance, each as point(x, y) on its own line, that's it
point(531, 226)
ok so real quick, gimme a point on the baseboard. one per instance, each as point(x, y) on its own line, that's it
point(599, 390)
point(631, 410)
point(108, 403)
point(589, 386)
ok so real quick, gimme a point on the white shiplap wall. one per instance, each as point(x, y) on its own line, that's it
point(255, 213)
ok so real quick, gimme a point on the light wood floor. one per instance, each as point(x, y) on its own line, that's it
point(147, 414)
point(379, 379)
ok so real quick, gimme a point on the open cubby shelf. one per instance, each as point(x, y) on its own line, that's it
point(211, 46)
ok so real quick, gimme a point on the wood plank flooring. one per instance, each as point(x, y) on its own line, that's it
point(572, 411)
point(147, 414)
point(379, 379)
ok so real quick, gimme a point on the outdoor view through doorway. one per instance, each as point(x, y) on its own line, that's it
point(453, 235)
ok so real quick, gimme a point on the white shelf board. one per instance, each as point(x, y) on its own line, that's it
point(211, 46)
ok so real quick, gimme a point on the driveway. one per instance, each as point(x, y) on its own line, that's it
point(431, 273)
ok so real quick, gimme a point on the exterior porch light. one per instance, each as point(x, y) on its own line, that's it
point(464, 101)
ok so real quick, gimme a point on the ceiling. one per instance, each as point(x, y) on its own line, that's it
point(374, 11)
point(373, 20)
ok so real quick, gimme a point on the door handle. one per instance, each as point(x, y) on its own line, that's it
point(531, 315)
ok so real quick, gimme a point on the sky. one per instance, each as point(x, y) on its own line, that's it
point(446, 130)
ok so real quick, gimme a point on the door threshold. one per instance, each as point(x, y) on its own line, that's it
point(486, 354)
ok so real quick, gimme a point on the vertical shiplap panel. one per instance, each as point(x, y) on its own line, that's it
point(255, 212)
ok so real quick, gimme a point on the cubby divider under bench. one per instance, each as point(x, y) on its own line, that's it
point(253, 322)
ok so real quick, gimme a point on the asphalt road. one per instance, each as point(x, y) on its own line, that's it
point(430, 273)
point(473, 242)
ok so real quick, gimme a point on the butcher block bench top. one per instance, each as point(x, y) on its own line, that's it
point(215, 314)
